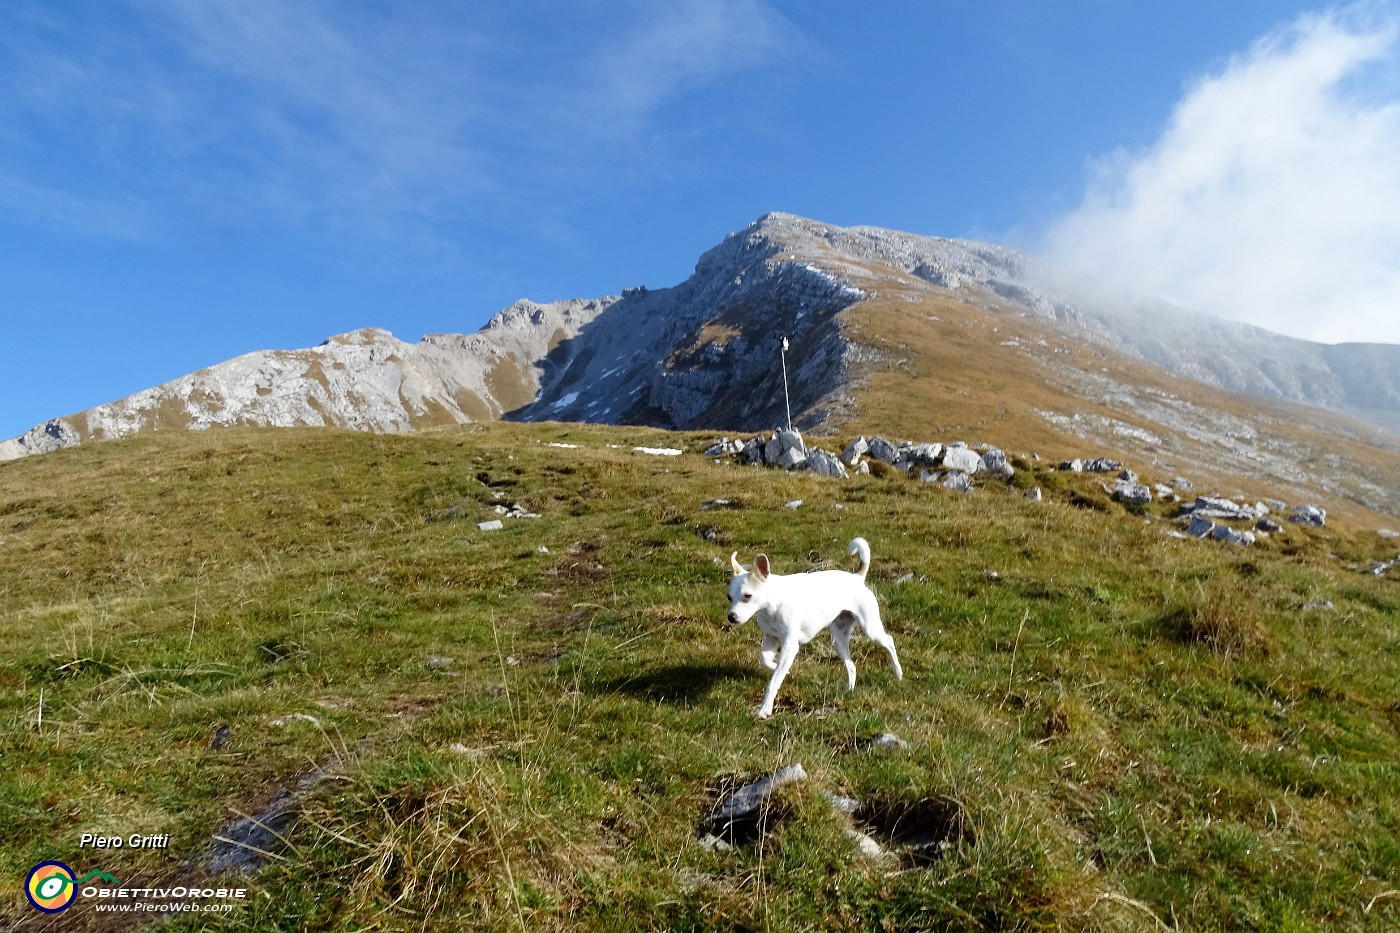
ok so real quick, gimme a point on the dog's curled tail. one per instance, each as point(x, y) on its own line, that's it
point(862, 547)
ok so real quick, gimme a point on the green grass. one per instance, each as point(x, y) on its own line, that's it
point(1119, 730)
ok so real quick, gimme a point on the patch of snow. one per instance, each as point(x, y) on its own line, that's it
point(660, 451)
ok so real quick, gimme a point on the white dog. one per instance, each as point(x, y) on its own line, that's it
point(792, 609)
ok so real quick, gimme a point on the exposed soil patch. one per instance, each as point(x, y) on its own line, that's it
point(920, 830)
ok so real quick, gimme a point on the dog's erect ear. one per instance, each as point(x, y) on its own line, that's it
point(760, 568)
point(734, 562)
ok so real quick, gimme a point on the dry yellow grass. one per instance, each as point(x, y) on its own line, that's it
point(947, 372)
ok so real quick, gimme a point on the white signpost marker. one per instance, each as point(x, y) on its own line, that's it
point(787, 403)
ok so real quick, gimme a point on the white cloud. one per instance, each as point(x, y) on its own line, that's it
point(349, 116)
point(1273, 194)
point(686, 43)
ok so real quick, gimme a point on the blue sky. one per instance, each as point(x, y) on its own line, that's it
point(184, 181)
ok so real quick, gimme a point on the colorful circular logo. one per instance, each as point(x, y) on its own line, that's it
point(50, 887)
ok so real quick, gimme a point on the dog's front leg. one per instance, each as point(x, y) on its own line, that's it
point(785, 659)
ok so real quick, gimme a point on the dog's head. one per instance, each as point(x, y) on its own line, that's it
point(746, 588)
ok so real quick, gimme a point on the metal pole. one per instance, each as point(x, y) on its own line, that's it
point(787, 403)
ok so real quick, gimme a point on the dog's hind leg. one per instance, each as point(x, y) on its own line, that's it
point(769, 652)
point(876, 630)
point(841, 639)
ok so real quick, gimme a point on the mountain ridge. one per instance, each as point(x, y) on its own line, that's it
point(704, 354)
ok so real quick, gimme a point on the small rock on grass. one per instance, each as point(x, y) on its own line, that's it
point(296, 717)
point(867, 846)
point(712, 843)
point(746, 800)
point(885, 740)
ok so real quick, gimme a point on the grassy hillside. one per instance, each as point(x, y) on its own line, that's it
point(1109, 728)
point(943, 368)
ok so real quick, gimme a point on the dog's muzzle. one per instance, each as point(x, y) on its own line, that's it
point(734, 619)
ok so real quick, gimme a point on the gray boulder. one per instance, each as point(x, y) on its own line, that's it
point(1268, 526)
point(1231, 536)
point(957, 481)
point(1313, 515)
point(752, 451)
point(1200, 527)
point(1130, 492)
point(1102, 465)
point(1035, 495)
point(920, 455)
point(724, 447)
point(791, 458)
point(883, 450)
point(994, 463)
point(1072, 466)
point(854, 451)
point(1005, 471)
point(825, 463)
point(1216, 507)
point(792, 440)
point(961, 459)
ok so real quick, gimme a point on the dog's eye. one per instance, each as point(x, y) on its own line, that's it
point(747, 597)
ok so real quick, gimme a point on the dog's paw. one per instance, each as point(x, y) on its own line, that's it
point(763, 714)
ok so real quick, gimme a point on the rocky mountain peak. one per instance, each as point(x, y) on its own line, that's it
point(364, 337)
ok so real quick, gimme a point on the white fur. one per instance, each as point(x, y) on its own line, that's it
point(791, 610)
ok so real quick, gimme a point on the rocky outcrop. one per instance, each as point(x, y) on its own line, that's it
point(366, 380)
point(708, 352)
point(45, 438)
